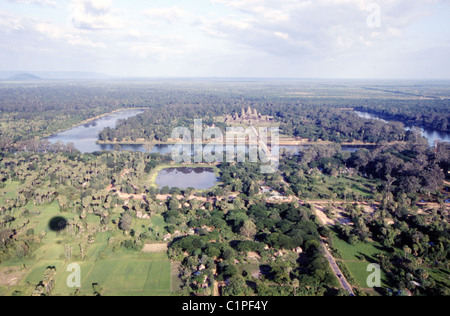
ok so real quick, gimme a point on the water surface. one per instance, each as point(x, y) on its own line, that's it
point(184, 177)
point(85, 136)
point(430, 134)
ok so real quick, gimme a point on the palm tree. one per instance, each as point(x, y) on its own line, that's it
point(295, 285)
point(407, 251)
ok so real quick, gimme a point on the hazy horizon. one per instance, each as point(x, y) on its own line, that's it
point(84, 75)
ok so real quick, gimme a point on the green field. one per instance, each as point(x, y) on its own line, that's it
point(3, 290)
point(10, 190)
point(441, 276)
point(326, 187)
point(360, 273)
point(117, 277)
point(358, 252)
point(158, 224)
point(122, 273)
point(357, 258)
point(125, 276)
point(117, 272)
point(358, 185)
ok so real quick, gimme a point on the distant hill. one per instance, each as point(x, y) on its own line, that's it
point(23, 77)
point(49, 75)
point(74, 75)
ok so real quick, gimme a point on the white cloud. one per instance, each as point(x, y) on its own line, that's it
point(170, 15)
point(316, 27)
point(225, 37)
point(57, 33)
point(134, 33)
point(157, 50)
point(281, 35)
point(95, 15)
point(9, 22)
point(33, 30)
point(44, 3)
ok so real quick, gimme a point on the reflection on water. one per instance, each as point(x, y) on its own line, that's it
point(85, 136)
point(127, 147)
point(167, 149)
point(430, 134)
point(183, 178)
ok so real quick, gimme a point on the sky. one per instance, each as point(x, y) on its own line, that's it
point(348, 39)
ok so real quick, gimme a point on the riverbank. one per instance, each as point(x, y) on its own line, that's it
point(285, 142)
point(430, 133)
point(89, 120)
point(106, 114)
point(409, 123)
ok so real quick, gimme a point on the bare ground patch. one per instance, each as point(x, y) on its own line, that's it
point(11, 276)
point(155, 248)
point(324, 219)
point(253, 256)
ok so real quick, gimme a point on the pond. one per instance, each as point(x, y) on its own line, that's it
point(85, 136)
point(430, 134)
point(185, 177)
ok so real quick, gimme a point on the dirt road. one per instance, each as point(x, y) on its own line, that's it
point(337, 272)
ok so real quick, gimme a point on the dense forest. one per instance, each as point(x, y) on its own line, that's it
point(408, 173)
point(425, 113)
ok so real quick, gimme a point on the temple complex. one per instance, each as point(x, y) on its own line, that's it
point(248, 117)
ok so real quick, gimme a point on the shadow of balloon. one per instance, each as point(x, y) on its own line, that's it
point(57, 224)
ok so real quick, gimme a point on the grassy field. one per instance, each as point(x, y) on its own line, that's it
point(47, 212)
point(10, 190)
point(124, 275)
point(117, 277)
point(360, 273)
point(359, 185)
point(118, 272)
point(158, 224)
point(359, 251)
point(3, 290)
point(357, 258)
point(441, 276)
point(325, 186)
